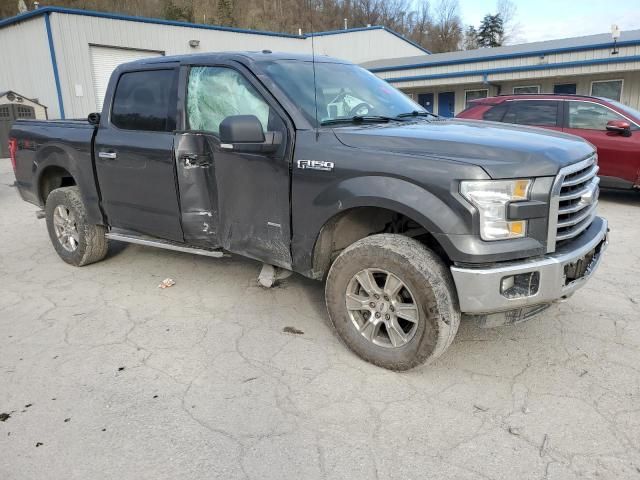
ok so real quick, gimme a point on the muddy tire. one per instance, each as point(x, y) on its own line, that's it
point(76, 241)
point(392, 301)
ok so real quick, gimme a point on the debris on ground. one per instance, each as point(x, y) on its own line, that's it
point(543, 447)
point(481, 408)
point(270, 275)
point(39, 444)
point(121, 369)
point(4, 417)
point(166, 283)
point(67, 420)
point(28, 405)
point(250, 379)
point(515, 430)
point(292, 330)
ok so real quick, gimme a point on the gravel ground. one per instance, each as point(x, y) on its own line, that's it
point(106, 376)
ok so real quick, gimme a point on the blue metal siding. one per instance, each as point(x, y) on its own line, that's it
point(524, 68)
point(54, 64)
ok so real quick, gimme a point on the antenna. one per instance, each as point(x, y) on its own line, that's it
point(313, 66)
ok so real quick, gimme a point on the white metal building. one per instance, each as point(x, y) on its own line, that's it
point(64, 57)
point(590, 65)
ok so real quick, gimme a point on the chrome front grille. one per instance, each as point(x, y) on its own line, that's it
point(574, 199)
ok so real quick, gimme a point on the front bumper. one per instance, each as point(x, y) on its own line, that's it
point(479, 289)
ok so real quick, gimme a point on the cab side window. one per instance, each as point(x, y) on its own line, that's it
point(215, 93)
point(144, 101)
point(590, 116)
point(533, 112)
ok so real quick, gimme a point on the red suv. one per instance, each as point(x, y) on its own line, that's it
point(612, 127)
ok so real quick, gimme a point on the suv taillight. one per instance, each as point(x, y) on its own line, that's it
point(13, 148)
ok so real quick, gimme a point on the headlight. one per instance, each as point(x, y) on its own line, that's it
point(492, 198)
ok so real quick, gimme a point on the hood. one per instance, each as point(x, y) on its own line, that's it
point(502, 150)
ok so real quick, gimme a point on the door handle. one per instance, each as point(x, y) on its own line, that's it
point(108, 155)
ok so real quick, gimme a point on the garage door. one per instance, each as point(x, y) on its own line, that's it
point(104, 61)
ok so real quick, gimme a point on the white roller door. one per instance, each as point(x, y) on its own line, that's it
point(104, 61)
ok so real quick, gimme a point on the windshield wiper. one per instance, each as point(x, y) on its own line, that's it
point(358, 119)
point(417, 113)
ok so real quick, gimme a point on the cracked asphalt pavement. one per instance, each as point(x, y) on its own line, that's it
point(105, 376)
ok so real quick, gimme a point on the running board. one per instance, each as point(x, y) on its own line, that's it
point(152, 242)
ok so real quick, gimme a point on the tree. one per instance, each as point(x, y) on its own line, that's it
point(508, 11)
point(470, 38)
point(225, 12)
point(446, 34)
point(491, 31)
point(182, 13)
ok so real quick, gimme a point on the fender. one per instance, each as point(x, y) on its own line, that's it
point(79, 164)
point(392, 193)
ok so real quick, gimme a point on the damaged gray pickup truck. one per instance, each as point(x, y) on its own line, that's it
point(411, 220)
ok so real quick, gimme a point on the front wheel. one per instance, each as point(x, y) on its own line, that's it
point(76, 241)
point(392, 301)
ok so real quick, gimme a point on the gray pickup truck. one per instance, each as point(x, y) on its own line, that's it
point(411, 220)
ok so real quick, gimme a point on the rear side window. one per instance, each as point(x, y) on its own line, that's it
point(496, 113)
point(533, 112)
point(143, 101)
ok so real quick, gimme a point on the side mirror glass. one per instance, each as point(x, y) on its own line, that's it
point(244, 133)
point(621, 127)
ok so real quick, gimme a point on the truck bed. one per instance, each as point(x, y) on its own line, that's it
point(68, 144)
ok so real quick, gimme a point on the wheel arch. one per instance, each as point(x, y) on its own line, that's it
point(56, 166)
point(348, 226)
point(349, 210)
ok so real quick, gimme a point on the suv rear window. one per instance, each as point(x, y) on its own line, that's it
point(143, 101)
point(544, 113)
point(496, 113)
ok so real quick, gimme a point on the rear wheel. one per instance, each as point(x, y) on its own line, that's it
point(76, 242)
point(392, 301)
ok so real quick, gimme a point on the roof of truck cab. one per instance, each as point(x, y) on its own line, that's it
point(262, 56)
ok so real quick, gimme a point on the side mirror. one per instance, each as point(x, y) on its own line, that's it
point(621, 127)
point(243, 133)
point(94, 118)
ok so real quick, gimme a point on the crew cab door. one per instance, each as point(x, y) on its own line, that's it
point(617, 155)
point(247, 192)
point(134, 153)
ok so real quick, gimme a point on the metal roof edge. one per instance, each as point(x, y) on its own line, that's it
point(159, 21)
point(374, 27)
point(504, 56)
point(523, 68)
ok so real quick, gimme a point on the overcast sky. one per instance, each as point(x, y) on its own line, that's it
point(550, 19)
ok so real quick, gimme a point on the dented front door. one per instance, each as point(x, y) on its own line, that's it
point(197, 189)
point(238, 201)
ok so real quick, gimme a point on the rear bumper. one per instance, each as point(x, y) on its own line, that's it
point(480, 289)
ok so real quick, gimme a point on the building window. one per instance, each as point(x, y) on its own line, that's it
point(565, 88)
point(526, 89)
point(607, 88)
point(470, 95)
